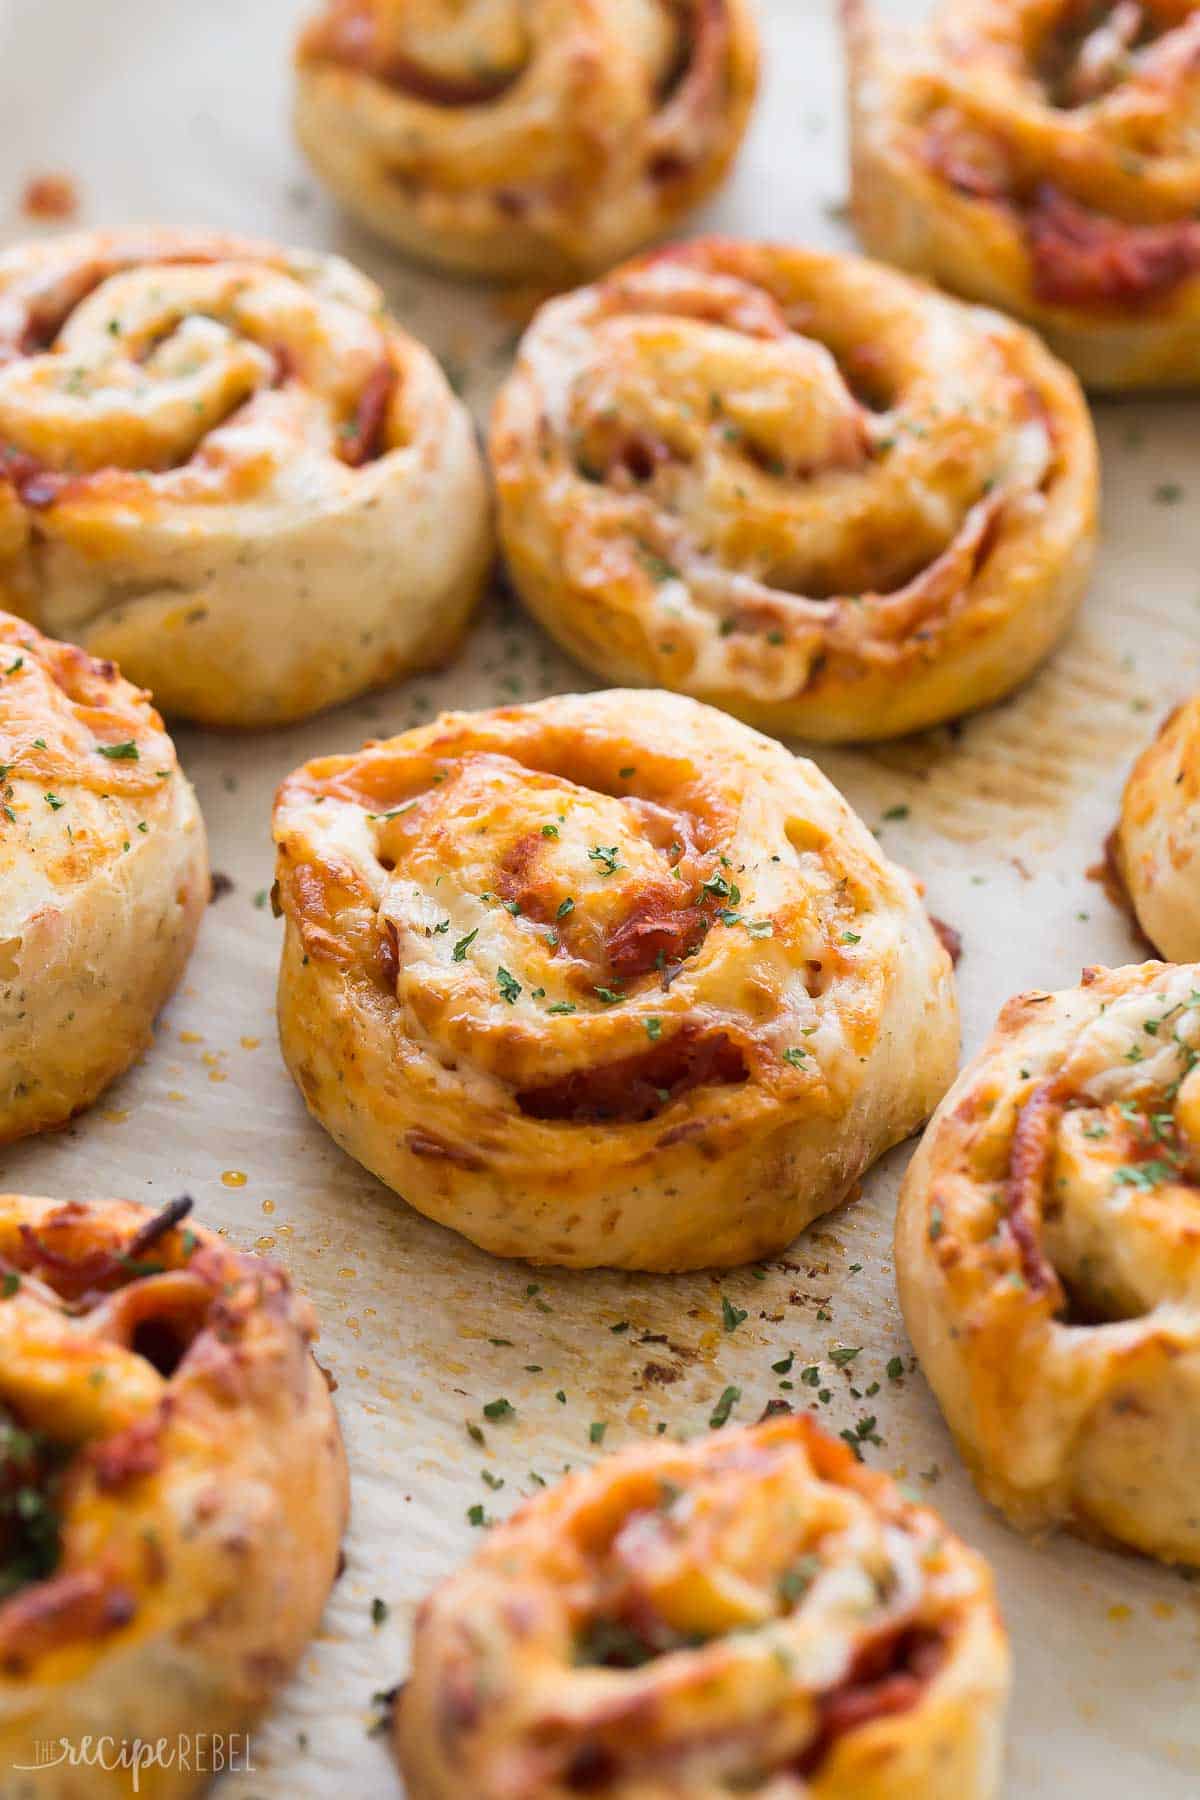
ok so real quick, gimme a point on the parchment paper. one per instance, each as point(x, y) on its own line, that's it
point(178, 113)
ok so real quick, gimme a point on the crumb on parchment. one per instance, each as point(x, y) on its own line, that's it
point(51, 195)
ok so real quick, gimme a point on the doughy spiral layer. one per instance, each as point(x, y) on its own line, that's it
point(505, 139)
point(798, 485)
point(222, 464)
point(750, 1613)
point(103, 876)
point(1156, 845)
point(1047, 1258)
point(1041, 155)
point(172, 1485)
point(616, 935)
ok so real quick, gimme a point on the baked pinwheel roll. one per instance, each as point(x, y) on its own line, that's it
point(173, 1487)
point(798, 485)
point(1041, 155)
point(754, 1612)
point(103, 876)
point(617, 934)
point(498, 138)
point(1048, 1263)
point(222, 464)
point(1156, 846)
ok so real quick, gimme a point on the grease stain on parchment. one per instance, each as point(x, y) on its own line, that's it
point(1024, 761)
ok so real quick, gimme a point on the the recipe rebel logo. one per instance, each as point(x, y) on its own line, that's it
point(201, 1753)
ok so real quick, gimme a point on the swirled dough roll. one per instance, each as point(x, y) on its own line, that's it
point(1156, 845)
point(797, 485)
point(605, 980)
point(1047, 1258)
point(223, 464)
point(103, 876)
point(1041, 155)
point(498, 138)
point(174, 1491)
point(753, 1612)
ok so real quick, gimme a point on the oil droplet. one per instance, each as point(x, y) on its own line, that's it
point(190, 1037)
point(174, 1094)
point(264, 1243)
point(233, 1178)
point(1163, 1609)
point(116, 1115)
point(268, 1206)
point(216, 1075)
point(348, 1274)
point(250, 1043)
point(1120, 1613)
point(362, 1371)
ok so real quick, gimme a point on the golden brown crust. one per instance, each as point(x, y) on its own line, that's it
point(797, 485)
point(614, 932)
point(750, 1611)
point(1047, 1264)
point(505, 140)
point(1156, 845)
point(1039, 155)
point(224, 465)
point(162, 1407)
point(103, 876)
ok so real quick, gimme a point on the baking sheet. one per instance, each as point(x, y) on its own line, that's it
point(178, 113)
